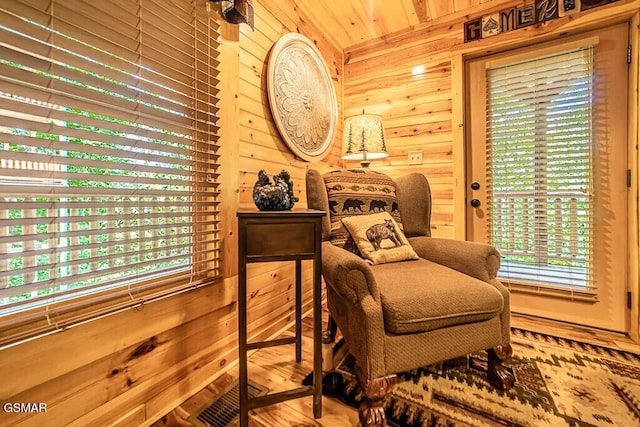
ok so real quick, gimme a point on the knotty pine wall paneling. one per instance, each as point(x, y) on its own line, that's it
point(133, 367)
point(261, 146)
point(409, 84)
point(271, 286)
point(413, 79)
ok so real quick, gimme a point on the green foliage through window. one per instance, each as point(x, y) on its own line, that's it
point(539, 134)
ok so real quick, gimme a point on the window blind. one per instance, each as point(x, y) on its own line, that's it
point(539, 156)
point(108, 157)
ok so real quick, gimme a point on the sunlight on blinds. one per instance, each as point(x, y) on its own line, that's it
point(539, 139)
point(108, 148)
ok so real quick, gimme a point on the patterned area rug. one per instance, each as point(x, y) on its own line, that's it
point(559, 382)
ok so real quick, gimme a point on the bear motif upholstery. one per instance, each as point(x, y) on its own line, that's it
point(395, 316)
point(378, 232)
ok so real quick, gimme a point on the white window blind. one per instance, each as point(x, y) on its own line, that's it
point(539, 135)
point(108, 164)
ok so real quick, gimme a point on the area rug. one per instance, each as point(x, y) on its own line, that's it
point(559, 382)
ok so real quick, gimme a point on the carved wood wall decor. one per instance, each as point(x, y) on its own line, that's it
point(302, 97)
point(515, 18)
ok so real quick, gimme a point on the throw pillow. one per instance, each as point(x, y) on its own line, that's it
point(358, 192)
point(378, 238)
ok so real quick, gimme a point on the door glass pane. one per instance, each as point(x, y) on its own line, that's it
point(539, 156)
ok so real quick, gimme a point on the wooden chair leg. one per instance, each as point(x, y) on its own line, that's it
point(371, 411)
point(499, 376)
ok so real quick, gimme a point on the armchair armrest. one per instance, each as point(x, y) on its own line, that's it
point(358, 309)
point(348, 274)
point(474, 259)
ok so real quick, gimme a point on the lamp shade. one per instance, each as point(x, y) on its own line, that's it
point(363, 138)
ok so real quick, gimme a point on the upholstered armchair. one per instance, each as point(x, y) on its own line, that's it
point(415, 300)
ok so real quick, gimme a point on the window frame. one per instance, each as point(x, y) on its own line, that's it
point(52, 316)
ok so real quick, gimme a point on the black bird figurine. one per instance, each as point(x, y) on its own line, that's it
point(276, 196)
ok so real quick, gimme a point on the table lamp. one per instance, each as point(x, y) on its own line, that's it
point(363, 139)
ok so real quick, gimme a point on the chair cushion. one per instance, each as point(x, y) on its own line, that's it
point(378, 238)
point(358, 192)
point(420, 296)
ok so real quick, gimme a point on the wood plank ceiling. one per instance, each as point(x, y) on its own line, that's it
point(350, 22)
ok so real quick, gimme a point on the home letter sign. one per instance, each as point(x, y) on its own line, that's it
point(514, 18)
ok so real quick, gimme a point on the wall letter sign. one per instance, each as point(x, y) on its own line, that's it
point(539, 12)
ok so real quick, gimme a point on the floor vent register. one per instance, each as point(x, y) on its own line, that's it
point(225, 408)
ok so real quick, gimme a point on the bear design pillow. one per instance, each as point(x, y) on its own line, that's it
point(358, 192)
point(378, 238)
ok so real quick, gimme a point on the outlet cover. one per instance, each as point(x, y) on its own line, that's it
point(415, 157)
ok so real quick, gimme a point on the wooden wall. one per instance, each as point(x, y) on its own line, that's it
point(408, 80)
point(133, 367)
point(260, 144)
point(414, 79)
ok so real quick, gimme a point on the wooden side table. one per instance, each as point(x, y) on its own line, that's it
point(280, 236)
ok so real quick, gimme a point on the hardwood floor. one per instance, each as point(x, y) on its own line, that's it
point(275, 368)
point(575, 332)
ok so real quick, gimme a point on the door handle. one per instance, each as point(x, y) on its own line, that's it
point(475, 203)
point(475, 185)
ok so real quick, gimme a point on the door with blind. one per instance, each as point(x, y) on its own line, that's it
point(547, 174)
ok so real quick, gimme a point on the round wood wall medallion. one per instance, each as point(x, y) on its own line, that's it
point(301, 96)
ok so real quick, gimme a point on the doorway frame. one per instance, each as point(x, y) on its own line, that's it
point(529, 36)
